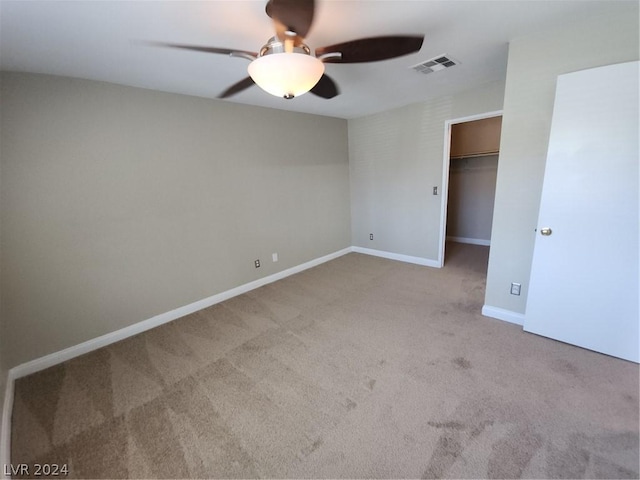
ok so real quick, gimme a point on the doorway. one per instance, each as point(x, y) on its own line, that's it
point(470, 161)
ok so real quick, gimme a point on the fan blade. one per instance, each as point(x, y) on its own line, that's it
point(325, 88)
point(291, 15)
point(222, 51)
point(237, 87)
point(372, 49)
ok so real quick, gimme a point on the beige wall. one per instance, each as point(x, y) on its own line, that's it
point(118, 204)
point(533, 67)
point(395, 160)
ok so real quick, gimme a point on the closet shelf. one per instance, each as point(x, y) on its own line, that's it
point(476, 138)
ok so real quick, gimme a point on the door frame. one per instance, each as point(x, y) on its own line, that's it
point(446, 161)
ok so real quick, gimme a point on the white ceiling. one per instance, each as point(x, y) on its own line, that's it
point(104, 40)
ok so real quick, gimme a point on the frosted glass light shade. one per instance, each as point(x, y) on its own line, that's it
point(286, 75)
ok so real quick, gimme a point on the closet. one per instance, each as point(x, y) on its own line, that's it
point(473, 169)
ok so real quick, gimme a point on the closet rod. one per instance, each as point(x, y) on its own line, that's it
point(473, 155)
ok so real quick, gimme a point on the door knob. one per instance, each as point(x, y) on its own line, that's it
point(546, 231)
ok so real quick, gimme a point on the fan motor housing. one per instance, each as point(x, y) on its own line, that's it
point(274, 45)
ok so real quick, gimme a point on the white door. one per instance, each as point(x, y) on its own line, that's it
point(584, 278)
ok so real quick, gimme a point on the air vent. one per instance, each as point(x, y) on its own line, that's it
point(435, 64)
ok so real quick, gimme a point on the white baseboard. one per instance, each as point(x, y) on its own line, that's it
point(502, 314)
point(56, 358)
point(5, 434)
point(397, 256)
point(95, 343)
point(472, 241)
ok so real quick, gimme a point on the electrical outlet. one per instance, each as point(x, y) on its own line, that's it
point(371, 236)
point(257, 263)
point(274, 257)
point(435, 190)
point(515, 289)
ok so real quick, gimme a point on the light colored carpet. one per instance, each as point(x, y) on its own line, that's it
point(360, 367)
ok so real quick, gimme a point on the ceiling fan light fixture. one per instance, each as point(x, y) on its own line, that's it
point(286, 75)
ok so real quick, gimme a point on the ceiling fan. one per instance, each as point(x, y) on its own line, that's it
point(285, 66)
